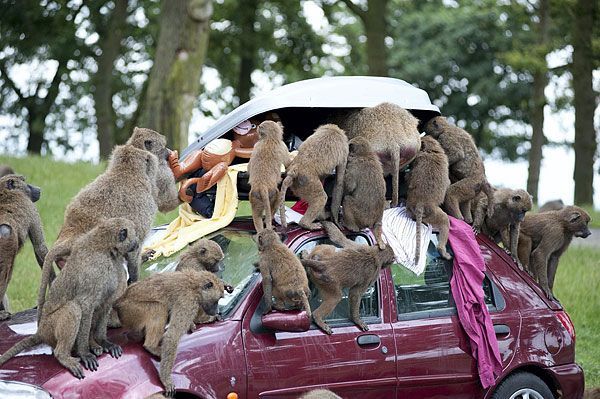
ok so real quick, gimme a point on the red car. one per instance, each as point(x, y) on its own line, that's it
point(415, 346)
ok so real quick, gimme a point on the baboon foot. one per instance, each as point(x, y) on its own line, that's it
point(191, 328)
point(96, 349)
point(89, 361)
point(476, 230)
point(324, 326)
point(113, 349)
point(310, 226)
point(169, 389)
point(155, 351)
point(4, 314)
point(444, 254)
point(73, 366)
point(361, 325)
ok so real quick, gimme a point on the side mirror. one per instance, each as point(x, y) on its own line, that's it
point(289, 321)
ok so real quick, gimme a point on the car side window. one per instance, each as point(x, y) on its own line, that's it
point(369, 304)
point(428, 294)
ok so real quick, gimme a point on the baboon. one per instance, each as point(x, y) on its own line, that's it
point(172, 298)
point(283, 276)
point(80, 299)
point(364, 190)
point(336, 236)
point(427, 183)
point(19, 219)
point(156, 143)
point(126, 189)
point(6, 170)
point(264, 170)
point(320, 394)
point(553, 205)
point(545, 236)
point(321, 252)
point(510, 207)
point(467, 171)
point(355, 268)
point(393, 134)
point(324, 150)
point(203, 255)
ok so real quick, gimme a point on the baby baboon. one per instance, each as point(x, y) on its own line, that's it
point(156, 143)
point(355, 268)
point(264, 170)
point(324, 150)
point(510, 207)
point(202, 255)
point(427, 183)
point(126, 189)
point(364, 189)
point(392, 132)
point(6, 170)
point(466, 168)
point(19, 219)
point(81, 297)
point(320, 394)
point(545, 236)
point(174, 298)
point(553, 205)
point(283, 276)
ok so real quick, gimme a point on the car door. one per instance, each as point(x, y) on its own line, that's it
point(352, 363)
point(434, 358)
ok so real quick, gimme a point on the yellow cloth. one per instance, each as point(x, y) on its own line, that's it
point(190, 226)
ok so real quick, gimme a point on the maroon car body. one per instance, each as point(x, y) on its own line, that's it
point(420, 354)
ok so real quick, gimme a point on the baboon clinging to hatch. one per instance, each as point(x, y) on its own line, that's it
point(510, 207)
point(364, 190)
point(174, 298)
point(427, 183)
point(283, 276)
point(356, 268)
point(19, 219)
point(392, 132)
point(264, 169)
point(467, 172)
point(545, 236)
point(78, 304)
point(126, 189)
point(322, 152)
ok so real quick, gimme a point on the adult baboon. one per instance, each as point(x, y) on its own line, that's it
point(553, 205)
point(264, 170)
point(19, 219)
point(467, 172)
point(126, 189)
point(392, 132)
point(545, 236)
point(81, 297)
point(172, 298)
point(364, 190)
point(322, 152)
point(356, 268)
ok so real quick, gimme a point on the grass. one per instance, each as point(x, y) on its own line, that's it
point(577, 281)
point(595, 215)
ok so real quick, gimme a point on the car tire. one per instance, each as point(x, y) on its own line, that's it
point(523, 385)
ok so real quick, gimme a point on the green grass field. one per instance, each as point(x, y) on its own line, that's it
point(577, 283)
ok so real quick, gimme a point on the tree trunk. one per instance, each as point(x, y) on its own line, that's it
point(584, 101)
point(174, 82)
point(110, 45)
point(247, 10)
point(376, 30)
point(538, 100)
point(36, 125)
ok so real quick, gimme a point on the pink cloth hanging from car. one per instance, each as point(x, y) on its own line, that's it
point(467, 290)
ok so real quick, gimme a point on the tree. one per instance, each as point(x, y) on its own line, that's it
point(174, 81)
point(584, 23)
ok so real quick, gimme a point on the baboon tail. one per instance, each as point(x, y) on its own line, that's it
point(287, 182)
point(336, 235)
point(316, 265)
point(489, 192)
point(338, 191)
point(418, 213)
point(47, 277)
point(28, 342)
point(264, 193)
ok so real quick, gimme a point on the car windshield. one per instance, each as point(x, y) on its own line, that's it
point(240, 253)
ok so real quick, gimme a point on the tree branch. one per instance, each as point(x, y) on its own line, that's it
point(10, 83)
point(362, 14)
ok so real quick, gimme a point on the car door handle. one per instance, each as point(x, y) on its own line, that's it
point(501, 329)
point(368, 339)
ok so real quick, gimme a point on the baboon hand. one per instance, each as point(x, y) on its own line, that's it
point(169, 389)
point(4, 315)
point(476, 230)
point(228, 288)
point(147, 255)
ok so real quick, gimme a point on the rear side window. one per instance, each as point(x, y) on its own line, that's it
point(428, 295)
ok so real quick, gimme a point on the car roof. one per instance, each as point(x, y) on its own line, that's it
point(325, 92)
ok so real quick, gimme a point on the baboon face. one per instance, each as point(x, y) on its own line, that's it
point(359, 145)
point(577, 221)
point(520, 203)
point(209, 253)
point(17, 183)
point(270, 129)
point(151, 141)
point(212, 290)
point(435, 126)
point(266, 239)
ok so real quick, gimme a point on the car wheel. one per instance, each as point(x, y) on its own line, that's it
point(523, 386)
